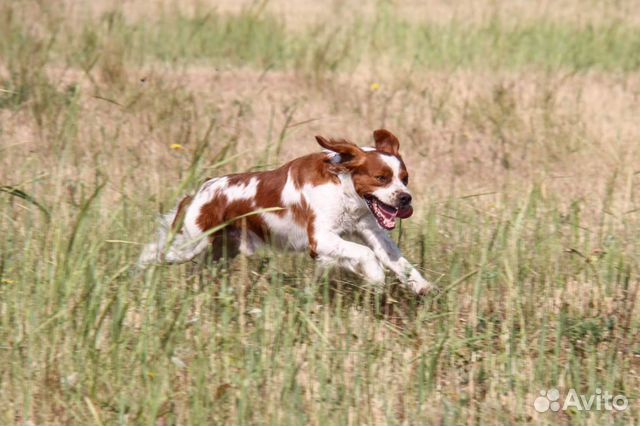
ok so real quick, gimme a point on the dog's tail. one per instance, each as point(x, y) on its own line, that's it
point(168, 223)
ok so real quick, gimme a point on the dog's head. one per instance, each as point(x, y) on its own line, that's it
point(379, 175)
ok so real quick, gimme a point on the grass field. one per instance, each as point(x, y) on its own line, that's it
point(519, 125)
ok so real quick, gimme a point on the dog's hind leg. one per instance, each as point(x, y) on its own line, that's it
point(182, 250)
point(183, 245)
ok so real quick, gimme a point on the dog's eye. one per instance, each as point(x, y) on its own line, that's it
point(381, 179)
point(405, 181)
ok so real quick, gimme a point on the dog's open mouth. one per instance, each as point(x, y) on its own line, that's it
point(385, 214)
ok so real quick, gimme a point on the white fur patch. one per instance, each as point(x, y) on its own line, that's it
point(242, 191)
point(286, 233)
point(213, 185)
point(290, 195)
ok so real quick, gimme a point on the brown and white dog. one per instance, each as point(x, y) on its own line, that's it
point(324, 200)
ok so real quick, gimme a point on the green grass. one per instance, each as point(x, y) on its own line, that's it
point(83, 341)
point(543, 45)
point(257, 39)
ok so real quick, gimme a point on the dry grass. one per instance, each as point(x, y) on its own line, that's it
point(462, 132)
point(526, 183)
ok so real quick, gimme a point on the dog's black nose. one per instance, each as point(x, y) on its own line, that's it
point(404, 199)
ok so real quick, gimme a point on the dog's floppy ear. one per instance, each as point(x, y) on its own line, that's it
point(350, 154)
point(386, 142)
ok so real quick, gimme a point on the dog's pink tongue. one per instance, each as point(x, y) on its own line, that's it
point(387, 214)
point(388, 217)
point(405, 213)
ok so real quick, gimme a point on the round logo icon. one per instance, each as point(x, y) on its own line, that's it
point(547, 400)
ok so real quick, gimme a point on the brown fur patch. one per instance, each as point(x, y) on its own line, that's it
point(313, 169)
point(365, 177)
point(386, 141)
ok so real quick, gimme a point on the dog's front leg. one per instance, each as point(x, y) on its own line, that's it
point(389, 254)
point(330, 249)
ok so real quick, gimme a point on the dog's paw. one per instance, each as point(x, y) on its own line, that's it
point(421, 286)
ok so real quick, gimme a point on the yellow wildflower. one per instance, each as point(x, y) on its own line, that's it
point(374, 87)
point(176, 146)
